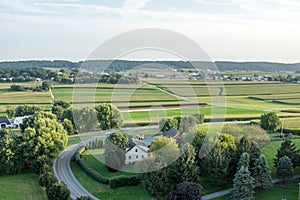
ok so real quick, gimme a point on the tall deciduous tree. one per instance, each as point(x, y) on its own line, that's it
point(46, 85)
point(10, 112)
point(68, 126)
point(84, 119)
point(109, 116)
point(262, 172)
point(164, 149)
point(45, 136)
point(62, 103)
point(25, 110)
point(270, 121)
point(115, 147)
point(11, 153)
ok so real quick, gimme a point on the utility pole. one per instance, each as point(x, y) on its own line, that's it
point(281, 134)
point(299, 192)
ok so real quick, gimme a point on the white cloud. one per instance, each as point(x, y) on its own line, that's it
point(134, 4)
point(250, 29)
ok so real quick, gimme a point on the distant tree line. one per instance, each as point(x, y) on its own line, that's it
point(26, 74)
point(124, 65)
point(19, 88)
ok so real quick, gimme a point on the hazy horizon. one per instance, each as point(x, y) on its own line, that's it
point(233, 30)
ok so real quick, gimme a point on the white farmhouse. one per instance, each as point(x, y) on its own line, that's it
point(136, 153)
point(19, 120)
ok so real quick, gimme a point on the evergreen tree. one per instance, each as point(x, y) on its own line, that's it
point(262, 172)
point(243, 146)
point(216, 165)
point(185, 168)
point(155, 179)
point(287, 148)
point(244, 161)
point(254, 155)
point(242, 185)
point(284, 169)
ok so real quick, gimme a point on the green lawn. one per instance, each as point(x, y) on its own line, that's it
point(20, 186)
point(96, 160)
point(104, 192)
point(270, 151)
point(276, 192)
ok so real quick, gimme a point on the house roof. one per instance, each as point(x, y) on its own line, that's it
point(145, 149)
point(4, 120)
point(148, 140)
point(171, 133)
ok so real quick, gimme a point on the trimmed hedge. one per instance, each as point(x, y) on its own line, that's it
point(121, 181)
point(295, 131)
point(115, 182)
point(90, 171)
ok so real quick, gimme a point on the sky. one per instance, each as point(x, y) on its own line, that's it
point(231, 30)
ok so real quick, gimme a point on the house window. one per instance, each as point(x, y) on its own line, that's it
point(136, 150)
point(142, 156)
point(129, 157)
point(137, 157)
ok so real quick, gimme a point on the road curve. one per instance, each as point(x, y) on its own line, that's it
point(62, 168)
point(63, 172)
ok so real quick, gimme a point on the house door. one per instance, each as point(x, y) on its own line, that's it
point(3, 125)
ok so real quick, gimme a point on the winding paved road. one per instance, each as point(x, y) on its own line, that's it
point(63, 172)
point(62, 168)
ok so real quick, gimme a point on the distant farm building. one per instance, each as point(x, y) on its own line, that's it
point(5, 123)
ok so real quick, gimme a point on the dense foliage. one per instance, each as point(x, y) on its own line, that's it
point(109, 116)
point(186, 191)
point(115, 146)
point(270, 121)
point(184, 124)
point(287, 148)
point(242, 185)
point(262, 173)
point(284, 169)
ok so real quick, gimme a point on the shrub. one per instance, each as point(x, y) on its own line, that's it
point(121, 181)
point(90, 171)
point(58, 191)
point(186, 191)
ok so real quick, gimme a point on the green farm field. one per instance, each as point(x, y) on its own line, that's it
point(123, 94)
point(22, 186)
point(10, 99)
